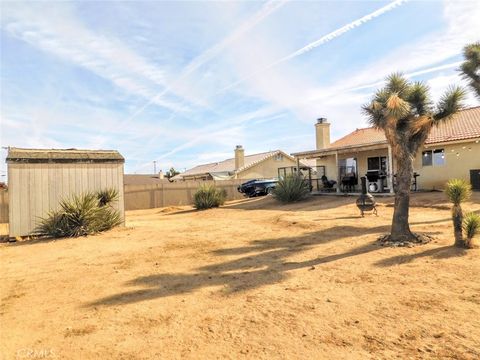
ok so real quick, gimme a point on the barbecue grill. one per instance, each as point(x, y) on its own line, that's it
point(375, 180)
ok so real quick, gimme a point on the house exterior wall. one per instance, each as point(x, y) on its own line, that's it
point(431, 177)
point(35, 189)
point(330, 166)
point(266, 169)
point(435, 177)
point(362, 163)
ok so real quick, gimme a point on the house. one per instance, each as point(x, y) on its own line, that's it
point(144, 179)
point(452, 150)
point(256, 166)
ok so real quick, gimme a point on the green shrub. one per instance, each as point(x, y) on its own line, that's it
point(81, 215)
point(291, 188)
point(471, 226)
point(208, 196)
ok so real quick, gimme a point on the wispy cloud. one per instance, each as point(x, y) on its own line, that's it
point(266, 10)
point(68, 38)
point(322, 40)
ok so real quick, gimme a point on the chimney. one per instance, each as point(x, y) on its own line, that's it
point(239, 157)
point(322, 133)
point(160, 175)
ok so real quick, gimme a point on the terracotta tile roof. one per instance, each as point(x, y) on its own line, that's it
point(363, 136)
point(462, 126)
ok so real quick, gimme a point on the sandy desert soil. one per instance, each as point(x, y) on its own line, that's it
point(253, 279)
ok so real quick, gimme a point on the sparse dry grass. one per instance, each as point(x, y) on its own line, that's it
point(253, 279)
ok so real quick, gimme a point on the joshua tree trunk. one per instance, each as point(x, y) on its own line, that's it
point(457, 217)
point(400, 227)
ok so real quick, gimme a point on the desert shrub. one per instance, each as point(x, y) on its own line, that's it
point(81, 215)
point(208, 196)
point(471, 226)
point(291, 188)
point(457, 191)
point(106, 197)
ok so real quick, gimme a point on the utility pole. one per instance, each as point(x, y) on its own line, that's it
point(154, 166)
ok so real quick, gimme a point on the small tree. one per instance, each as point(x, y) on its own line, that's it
point(171, 173)
point(404, 111)
point(470, 69)
point(458, 191)
point(471, 226)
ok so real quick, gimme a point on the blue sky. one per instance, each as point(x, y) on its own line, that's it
point(182, 83)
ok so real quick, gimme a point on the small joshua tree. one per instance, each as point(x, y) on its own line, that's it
point(458, 191)
point(471, 226)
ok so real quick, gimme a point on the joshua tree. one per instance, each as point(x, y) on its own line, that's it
point(171, 173)
point(471, 67)
point(471, 226)
point(404, 111)
point(457, 192)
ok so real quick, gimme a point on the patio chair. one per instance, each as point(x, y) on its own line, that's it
point(327, 184)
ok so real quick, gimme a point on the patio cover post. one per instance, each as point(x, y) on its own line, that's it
point(298, 165)
point(338, 172)
point(390, 169)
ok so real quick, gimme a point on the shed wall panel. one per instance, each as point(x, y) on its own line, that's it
point(36, 189)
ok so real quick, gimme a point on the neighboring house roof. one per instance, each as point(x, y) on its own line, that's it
point(142, 179)
point(62, 155)
point(228, 165)
point(462, 126)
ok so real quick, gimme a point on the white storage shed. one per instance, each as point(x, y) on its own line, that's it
point(38, 179)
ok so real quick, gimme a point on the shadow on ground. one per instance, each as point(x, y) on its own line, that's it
point(262, 262)
point(443, 252)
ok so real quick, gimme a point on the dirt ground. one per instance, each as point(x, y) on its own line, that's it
point(253, 279)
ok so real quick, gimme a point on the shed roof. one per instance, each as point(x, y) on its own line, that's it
point(62, 155)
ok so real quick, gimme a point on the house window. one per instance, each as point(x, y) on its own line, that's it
point(433, 157)
point(377, 163)
point(347, 167)
point(279, 157)
point(438, 157)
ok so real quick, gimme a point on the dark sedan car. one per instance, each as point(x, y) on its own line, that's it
point(256, 187)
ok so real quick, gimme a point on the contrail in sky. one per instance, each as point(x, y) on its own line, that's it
point(324, 39)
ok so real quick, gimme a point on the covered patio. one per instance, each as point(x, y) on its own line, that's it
point(345, 166)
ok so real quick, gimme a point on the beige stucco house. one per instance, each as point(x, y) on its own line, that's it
point(452, 150)
point(256, 166)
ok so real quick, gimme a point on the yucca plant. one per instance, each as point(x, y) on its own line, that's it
point(457, 191)
point(208, 196)
point(471, 226)
point(106, 197)
point(291, 188)
point(81, 215)
point(405, 113)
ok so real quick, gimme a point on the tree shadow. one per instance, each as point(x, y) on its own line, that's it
point(443, 252)
point(262, 262)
